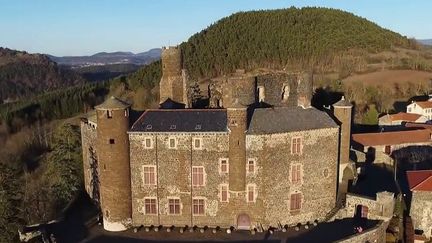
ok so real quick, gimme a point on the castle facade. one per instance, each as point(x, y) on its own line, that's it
point(260, 155)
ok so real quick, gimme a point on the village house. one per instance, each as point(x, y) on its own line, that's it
point(377, 147)
point(400, 118)
point(420, 184)
point(423, 108)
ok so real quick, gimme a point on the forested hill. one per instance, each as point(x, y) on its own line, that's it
point(23, 74)
point(277, 38)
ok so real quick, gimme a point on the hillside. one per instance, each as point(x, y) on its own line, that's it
point(108, 58)
point(105, 72)
point(23, 74)
point(288, 38)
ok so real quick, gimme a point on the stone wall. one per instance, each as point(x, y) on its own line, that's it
point(380, 208)
point(319, 170)
point(421, 211)
point(88, 141)
point(275, 85)
point(376, 234)
point(273, 159)
point(174, 81)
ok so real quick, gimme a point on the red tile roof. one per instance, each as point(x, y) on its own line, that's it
point(420, 180)
point(421, 125)
point(392, 138)
point(424, 104)
point(402, 116)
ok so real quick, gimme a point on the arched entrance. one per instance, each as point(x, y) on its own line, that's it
point(243, 222)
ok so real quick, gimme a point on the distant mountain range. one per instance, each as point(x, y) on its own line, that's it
point(426, 42)
point(109, 58)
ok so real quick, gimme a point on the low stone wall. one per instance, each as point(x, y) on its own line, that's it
point(380, 208)
point(376, 234)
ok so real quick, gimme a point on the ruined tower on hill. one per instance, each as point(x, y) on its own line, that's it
point(173, 85)
point(114, 171)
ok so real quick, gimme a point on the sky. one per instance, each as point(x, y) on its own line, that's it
point(85, 27)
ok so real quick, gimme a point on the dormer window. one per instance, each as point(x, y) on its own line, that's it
point(109, 114)
point(149, 127)
point(198, 127)
point(172, 127)
point(172, 143)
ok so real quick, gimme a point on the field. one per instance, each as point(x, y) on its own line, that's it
point(386, 77)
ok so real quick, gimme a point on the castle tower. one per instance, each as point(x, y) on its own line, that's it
point(342, 110)
point(114, 170)
point(237, 124)
point(173, 84)
point(304, 90)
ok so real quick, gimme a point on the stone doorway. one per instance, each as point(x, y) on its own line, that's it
point(361, 211)
point(243, 222)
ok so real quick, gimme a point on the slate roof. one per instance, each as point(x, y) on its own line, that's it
point(420, 180)
point(113, 103)
point(392, 138)
point(206, 120)
point(288, 119)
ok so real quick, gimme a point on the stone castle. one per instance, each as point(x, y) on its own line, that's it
point(259, 155)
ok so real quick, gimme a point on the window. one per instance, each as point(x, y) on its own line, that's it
point(109, 114)
point(111, 141)
point(174, 206)
point(296, 145)
point(261, 93)
point(250, 193)
point(250, 166)
point(197, 143)
point(223, 166)
point(126, 113)
point(148, 143)
point(198, 206)
point(296, 173)
point(295, 202)
point(172, 143)
point(285, 92)
point(224, 193)
point(197, 176)
point(149, 172)
point(150, 206)
point(326, 172)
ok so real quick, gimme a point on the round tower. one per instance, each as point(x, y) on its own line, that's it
point(237, 124)
point(114, 170)
point(342, 110)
